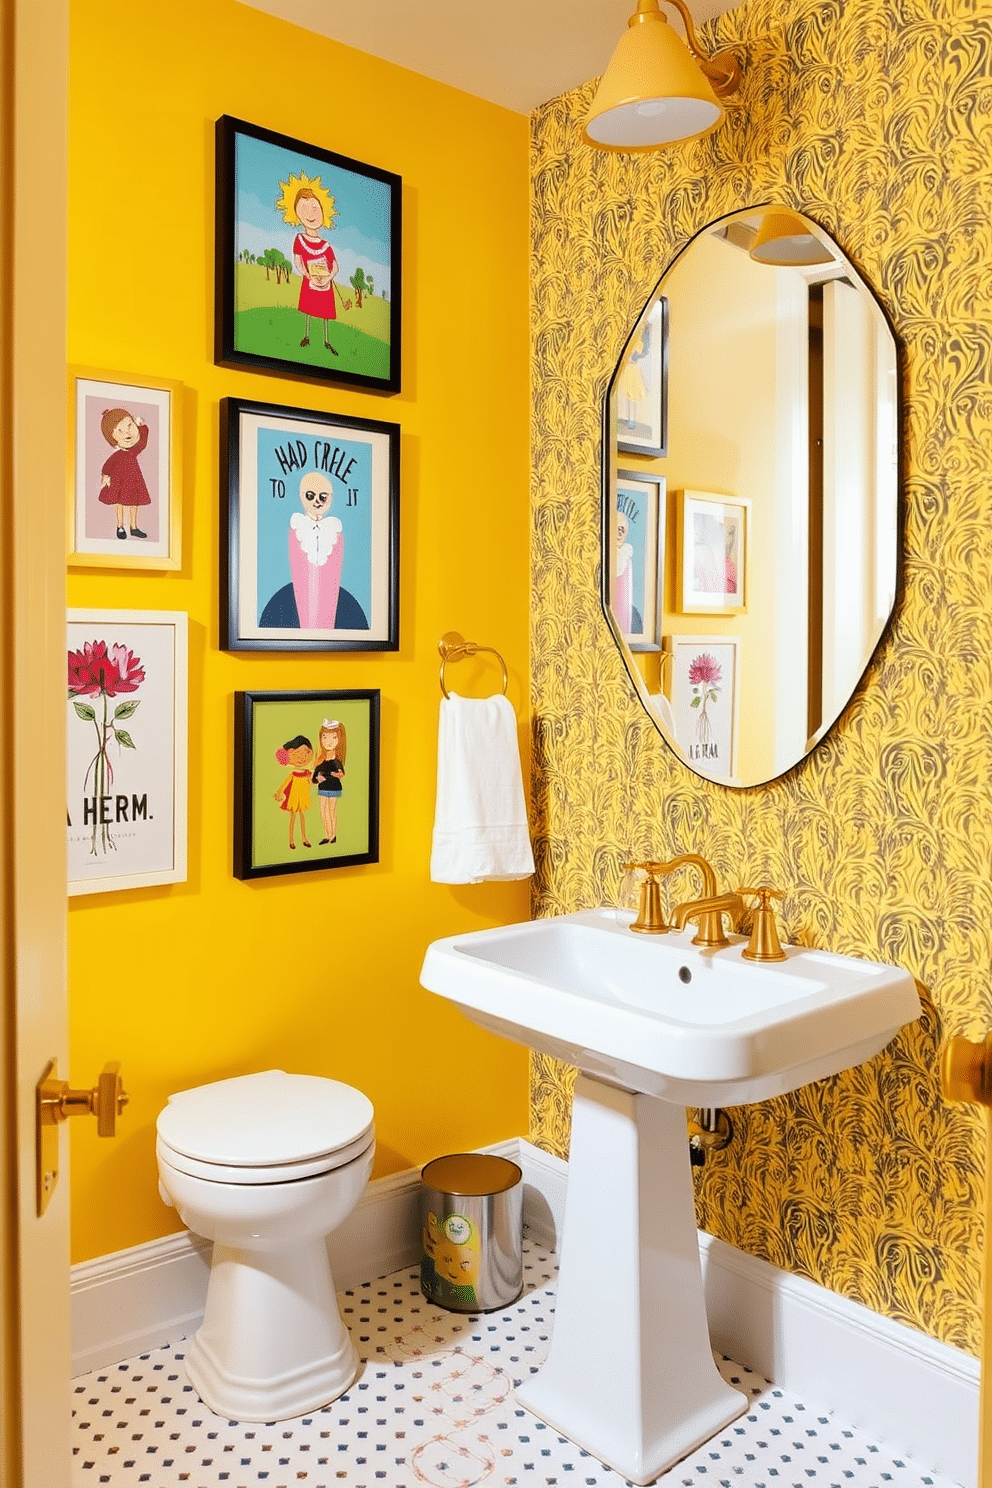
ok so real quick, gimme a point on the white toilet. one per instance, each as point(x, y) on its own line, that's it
point(266, 1166)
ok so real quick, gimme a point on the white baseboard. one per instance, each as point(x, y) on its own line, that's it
point(134, 1300)
point(900, 1386)
point(918, 1396)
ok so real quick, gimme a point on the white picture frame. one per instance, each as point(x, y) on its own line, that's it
point(126, 789)
point(706, 702)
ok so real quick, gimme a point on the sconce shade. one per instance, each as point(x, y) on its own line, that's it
point(653, 92)
point(783, 238)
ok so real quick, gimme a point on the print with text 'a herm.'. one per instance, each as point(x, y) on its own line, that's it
point(126, 749)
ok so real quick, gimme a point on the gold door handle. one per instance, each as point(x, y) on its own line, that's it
point(56, 1102)
point(966, 1070)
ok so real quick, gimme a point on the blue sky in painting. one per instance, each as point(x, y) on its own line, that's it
point(361, 235)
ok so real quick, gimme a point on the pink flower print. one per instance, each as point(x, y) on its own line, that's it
point(704, 668)
point(705, 675)
point(99, 670)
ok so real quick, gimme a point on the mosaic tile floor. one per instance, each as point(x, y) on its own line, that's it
point(434, 1408)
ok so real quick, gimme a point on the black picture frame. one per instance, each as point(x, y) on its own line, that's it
point(644, 369)
point(258, 322)
point(283, 587)
point(265, 723)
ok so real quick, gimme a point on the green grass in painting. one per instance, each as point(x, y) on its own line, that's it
point(267, 322)
point(276, 332)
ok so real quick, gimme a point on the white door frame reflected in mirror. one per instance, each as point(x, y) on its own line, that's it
point(781, 399)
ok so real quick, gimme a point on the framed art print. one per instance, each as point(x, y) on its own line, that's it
point(642, 387)
point(126, 749)
point(310, 544)
point(308, 260)
point(124, 470)
point(705, 702)
point(306, 781)
point(638, 552)
point(712, 546)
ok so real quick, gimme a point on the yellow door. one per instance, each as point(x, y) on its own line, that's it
point(34, 1255)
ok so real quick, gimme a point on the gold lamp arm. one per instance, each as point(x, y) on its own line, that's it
point(723, 70)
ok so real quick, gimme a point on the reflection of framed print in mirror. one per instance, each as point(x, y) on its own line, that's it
point(705, 702)
point(712, 554)
point(124, 470)
point(638, 558)
point(642, 387)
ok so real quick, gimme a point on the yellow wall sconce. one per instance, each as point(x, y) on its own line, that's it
point(783, 238)
point(658, 90)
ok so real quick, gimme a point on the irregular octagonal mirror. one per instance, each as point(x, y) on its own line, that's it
point(750, 507)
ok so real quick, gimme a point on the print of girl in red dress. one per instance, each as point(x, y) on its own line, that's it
point(312, 207)
point(123, 485)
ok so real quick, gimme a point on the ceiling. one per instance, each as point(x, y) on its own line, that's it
point(517, 53)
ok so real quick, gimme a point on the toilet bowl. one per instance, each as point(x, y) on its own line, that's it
point(267, 1166)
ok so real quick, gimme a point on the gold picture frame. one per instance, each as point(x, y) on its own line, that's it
point(137, 460)
point(712, 548)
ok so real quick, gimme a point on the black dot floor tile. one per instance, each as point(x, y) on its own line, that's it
point(434, 1408)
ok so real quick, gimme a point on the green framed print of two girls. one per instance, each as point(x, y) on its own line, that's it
point(308, 260)
point(306, 771)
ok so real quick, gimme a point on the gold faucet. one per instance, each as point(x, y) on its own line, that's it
point(650, 919)
point(764, 944)
point(709, 913)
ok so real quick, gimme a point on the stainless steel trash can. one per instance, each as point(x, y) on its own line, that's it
point(472, 1219)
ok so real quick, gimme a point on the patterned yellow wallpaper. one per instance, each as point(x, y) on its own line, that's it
point(875, 119)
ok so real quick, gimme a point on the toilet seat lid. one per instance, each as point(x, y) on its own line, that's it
point(265, 1120)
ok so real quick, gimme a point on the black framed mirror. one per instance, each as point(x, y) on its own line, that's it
point(751, 494)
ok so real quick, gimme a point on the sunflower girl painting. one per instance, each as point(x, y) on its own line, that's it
point(308, 257)
point(306, 203)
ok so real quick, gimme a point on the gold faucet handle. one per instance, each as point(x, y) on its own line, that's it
point(650, 916)
point(764, 944)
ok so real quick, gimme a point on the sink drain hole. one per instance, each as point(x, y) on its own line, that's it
point(685, 975)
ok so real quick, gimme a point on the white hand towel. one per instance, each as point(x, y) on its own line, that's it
point(480, 819)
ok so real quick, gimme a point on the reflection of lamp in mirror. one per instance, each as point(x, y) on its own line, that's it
point(656, 89)
point(785, 239)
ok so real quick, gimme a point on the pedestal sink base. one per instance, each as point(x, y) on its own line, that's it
point(630, 1375)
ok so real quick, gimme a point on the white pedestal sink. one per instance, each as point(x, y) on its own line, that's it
point(653, 1024)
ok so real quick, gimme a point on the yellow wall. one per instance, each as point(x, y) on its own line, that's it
point(317, 972)
point(870, 118)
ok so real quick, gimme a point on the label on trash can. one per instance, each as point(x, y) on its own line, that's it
point(449, 1272)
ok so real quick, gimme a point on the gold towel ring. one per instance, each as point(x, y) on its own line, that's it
point(454, 647)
